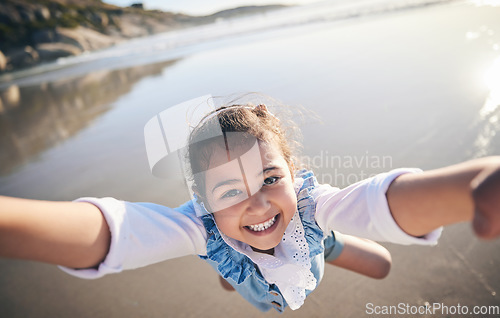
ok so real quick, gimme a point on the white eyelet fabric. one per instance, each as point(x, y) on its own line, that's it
point(290, 266)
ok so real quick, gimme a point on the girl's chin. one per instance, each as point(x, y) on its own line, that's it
point(267, 248)
point(269, 251)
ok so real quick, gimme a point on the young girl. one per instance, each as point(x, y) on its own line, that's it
point(265, 227)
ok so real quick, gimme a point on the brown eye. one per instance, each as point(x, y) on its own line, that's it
point(271, 180)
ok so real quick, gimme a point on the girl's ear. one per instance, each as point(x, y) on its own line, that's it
point(200, 198)
point(196, 190)
point(291, 166)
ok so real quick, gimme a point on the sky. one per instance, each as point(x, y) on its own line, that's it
point(201, 7)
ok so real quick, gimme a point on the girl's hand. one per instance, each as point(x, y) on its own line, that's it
point(486, 197)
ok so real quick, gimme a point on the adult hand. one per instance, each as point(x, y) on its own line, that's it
point(486, 197)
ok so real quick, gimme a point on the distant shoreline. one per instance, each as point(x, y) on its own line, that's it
point(32, 33)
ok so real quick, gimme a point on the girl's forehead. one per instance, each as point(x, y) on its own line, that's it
point(255, 158)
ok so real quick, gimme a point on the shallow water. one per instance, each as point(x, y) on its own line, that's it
point(417, 87)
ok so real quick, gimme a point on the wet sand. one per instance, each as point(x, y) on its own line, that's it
point(404, 85)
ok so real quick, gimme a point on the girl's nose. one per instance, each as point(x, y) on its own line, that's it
point(258, 203)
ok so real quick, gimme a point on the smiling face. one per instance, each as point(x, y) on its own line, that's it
point(252, 197)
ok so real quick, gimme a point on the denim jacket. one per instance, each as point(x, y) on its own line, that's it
point(244, 275)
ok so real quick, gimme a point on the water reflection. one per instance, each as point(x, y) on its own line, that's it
point(490, 112)
point(492, 81)
point(486, 124)
point(35, 118)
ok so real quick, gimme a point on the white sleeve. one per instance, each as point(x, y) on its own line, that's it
point(143, 234)
point(362, 210)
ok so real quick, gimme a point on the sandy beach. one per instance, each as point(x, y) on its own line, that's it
point(408, 88)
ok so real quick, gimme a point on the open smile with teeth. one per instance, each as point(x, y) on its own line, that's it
point(262, 226)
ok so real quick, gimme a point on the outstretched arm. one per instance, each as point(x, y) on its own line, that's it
point(423, 202)
point(72, 234)
point(364, 257)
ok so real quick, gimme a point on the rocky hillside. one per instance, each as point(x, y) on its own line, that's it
point(32, 31)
